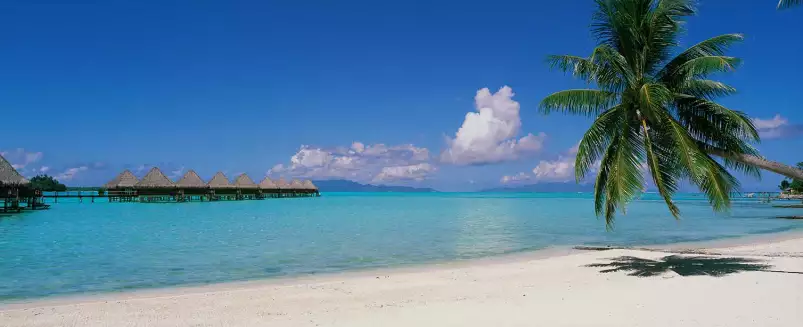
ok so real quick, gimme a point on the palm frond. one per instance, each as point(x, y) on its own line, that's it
point(708, 175)
point(588, 102)
point(662, 30)
point(708, 119)
point(595, 141)
point(614, 71)
point(703, 66)
point(624, 180)
point(715, 46)
point(663, 170)
point(705, 89)
point(653, 97)
point(579, 67)
point(786, 4)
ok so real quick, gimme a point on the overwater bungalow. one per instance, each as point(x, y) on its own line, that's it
point(121, 188)
point(246, 188)
point(191, 187)
point(15, 190)
point(297, 187)
point(220, 188)
point(156, 187)
point(268, 188)
point(284, 187)
point(309, 186)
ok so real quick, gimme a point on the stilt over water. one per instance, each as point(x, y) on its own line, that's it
point(16, 192)
point(156, 187)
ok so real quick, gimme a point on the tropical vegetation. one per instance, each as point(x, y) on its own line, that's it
point(784, 4)
point(47, 183)
point(655, 108)
point(791, 184)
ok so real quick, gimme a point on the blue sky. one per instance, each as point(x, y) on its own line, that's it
point(96, 87)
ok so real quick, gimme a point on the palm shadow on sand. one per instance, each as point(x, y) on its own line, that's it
point(683, 266)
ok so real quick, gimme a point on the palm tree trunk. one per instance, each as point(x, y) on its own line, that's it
point(755, 161)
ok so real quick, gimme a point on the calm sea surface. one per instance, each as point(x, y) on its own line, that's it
point(100, 247)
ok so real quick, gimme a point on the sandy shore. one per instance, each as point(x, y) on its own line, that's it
point(551, 288)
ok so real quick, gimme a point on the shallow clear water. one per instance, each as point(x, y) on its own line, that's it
point(98, 247)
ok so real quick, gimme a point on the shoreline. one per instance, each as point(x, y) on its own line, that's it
point(752, 281)
point(707, 247)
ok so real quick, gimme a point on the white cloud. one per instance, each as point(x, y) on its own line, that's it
point(774, 122)
point(520, 177)
point(558, 170)
point(776, 127)
point(177, 173)
point(70, 173)
point(20, 158)
point(359, 162)
point(140, 169)
point(489, 135)
point(415, 172)
point(44, 169)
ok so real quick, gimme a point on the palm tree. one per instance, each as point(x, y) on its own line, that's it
point(784, 4)
point(656, 110)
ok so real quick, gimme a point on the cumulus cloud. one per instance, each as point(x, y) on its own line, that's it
point(359, 162)
point(176, 173)
point(489, 134)
point(777, 127)
point(70, 173)
point(416, 172)
point(20, 158)
point(520, 177)
point(558, 170)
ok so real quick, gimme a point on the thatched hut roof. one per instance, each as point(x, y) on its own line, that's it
point(126, 179)
point(191, 180)
point(9, 175)
point(309, 186)
point(296, 185)
point(220, 181)
point(155, 179)
point(267, 184)
point(245, 182)
point(282, 184)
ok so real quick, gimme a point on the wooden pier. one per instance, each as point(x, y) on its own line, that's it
point(17, 195)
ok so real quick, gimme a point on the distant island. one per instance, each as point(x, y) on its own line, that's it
point(339, 185)
point(545, 187)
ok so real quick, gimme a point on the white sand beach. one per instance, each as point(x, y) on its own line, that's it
point(550, 288)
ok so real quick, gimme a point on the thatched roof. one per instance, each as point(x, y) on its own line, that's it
point(267, 184)
point(220, 181)
point(296, 185)
point(9, 175)
point(191, 180)
point(243, 181)
point(282, 184)
point(309, 186)
point(126, 179)
point(155, 179)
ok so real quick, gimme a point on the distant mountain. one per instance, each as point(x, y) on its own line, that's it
point(546, 187)
point(339, 185)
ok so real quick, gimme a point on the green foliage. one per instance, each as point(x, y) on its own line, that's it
point(101, 191)
point(655, 111)
point(47, 183)
point(795, 185)
point(784, 4)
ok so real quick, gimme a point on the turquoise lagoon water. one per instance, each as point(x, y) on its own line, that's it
point(100, 247)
